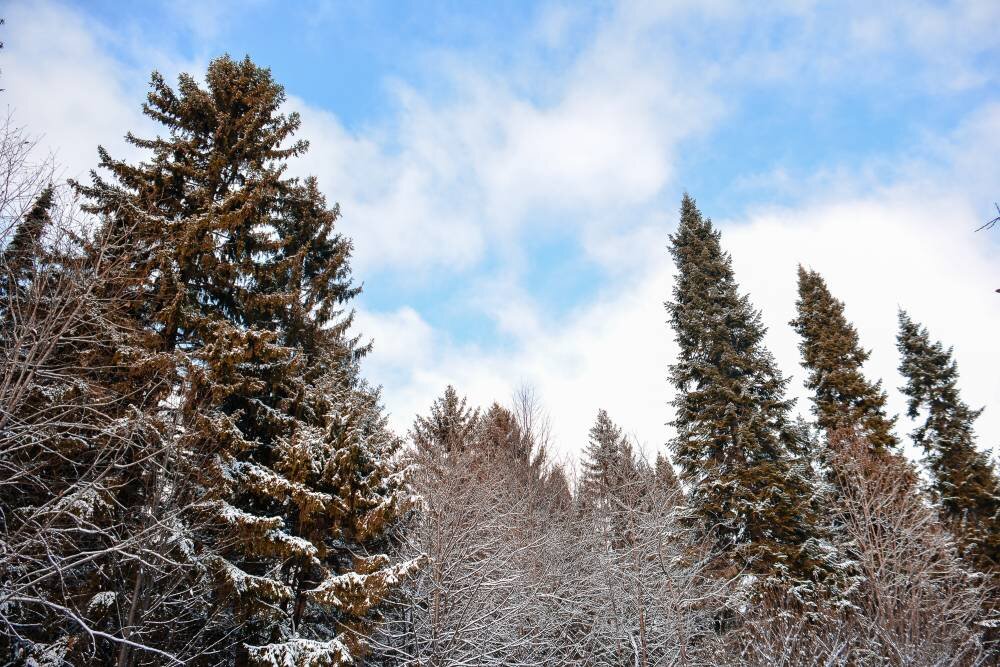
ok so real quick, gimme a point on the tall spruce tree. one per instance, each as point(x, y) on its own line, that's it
point(842, 397)
point(603, 464)
point(26, 240)
point(23, 253)
point(665, 477)
point(735, 445)
point(238, 278)
point(964, 482)
point(449, 428)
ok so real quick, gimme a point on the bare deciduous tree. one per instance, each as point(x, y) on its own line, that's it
point(915, 601)
point(80, 439)
point(519, 575)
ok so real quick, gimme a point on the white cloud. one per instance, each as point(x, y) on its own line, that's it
point(899, 249)
point(880, 247)
point(61, 83)
point(590, 148)
point(909, 245)
point(449, 180)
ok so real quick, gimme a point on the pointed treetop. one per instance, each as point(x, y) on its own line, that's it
point(450, 427)
point(604, 461)
point(928, 365)
point(735, 445)
point(831, 351)
point(964, 481)
point(26, 241)
point(666, 478)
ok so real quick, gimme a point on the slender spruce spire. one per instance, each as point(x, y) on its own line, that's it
point(964, 482)
point(735, 444)
point(832, 354)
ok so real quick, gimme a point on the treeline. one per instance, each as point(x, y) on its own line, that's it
point(194, 471)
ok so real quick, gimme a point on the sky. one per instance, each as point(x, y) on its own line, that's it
point(510, 172)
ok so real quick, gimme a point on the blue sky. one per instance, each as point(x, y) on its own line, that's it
point(510, 171)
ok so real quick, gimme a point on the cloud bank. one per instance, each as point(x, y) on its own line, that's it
point(471, 198)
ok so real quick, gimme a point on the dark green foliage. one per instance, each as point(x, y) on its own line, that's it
point(26, 241)
point(24, 260)
point(605, 462)
point(735, 445)
point(842, 397)
point(964, 481)
point(237, 275)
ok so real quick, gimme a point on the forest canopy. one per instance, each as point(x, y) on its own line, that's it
point(195, 470)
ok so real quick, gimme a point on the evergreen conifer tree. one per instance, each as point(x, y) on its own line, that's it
point(502, 442)
point(238, 278)
point(23, 252)
point(449, 428)
point(557, 491)
point(964, 481)
point(603, 465)
point(735, 444)
point(665, 477)
point(26, 241)
point(609, 477)
point(842, 397)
